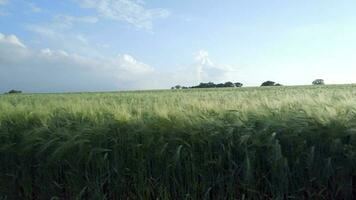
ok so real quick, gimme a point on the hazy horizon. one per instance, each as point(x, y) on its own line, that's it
point(110, 45)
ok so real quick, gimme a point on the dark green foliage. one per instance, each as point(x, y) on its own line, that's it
point(205, 85)
point(14, 92)
point(219, 85)
point(115, 160)
point(238, 84)
point(229, 84)
point(270, 83)
point(178, 87)
point(318, 82)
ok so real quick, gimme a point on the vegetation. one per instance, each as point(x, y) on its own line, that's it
point(270, 83)
point(246, 143)
point(211, 85)
point(238, 84)
point(318, 82)
point(14, 92)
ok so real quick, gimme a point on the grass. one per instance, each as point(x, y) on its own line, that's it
point(246, 143)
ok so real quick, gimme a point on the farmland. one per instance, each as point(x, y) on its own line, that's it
point(245, 143)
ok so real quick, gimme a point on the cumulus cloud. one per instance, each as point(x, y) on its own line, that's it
point(55, 70)
point(207, 70)
point(49, 70)
point(203, 69)
point(133, 12)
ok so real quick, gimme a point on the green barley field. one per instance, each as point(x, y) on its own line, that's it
point(237, 143)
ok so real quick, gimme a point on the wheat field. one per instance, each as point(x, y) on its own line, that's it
point(233, 143)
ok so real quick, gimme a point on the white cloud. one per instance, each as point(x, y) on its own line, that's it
point(11, 39)
point(61, 23)
point(54, 70)
point(51, 70)
point(203, 70)
point(63, 33)
point(130, 11)
point(69, 20)
point(203, 58)
point(209, 71)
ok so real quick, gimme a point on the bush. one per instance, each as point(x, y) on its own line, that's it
point(271, 83)
point(238, 84)
point(14, 92)
point(219, 85)
point(268, 83)
point(318, 82)
point(229, 84)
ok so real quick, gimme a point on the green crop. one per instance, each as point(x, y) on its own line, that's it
point(245, 143)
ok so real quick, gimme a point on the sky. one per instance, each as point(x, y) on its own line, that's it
point(111, 45)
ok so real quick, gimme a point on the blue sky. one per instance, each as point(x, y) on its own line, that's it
point(101, 45)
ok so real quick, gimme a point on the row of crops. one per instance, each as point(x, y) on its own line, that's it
point(247, 143)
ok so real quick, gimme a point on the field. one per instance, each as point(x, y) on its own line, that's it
point(245, 143)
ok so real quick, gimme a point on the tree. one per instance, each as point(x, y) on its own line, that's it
point(271, 83)
point(268, 83)
point(318, 82)
point(14, 92)
point(238, 84)
point(220, 85)
point(229, 84)
point(210, 85)
point(205, 85)
point(177, 87)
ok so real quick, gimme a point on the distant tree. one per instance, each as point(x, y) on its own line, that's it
point(229, 84)
point(177, 87)
point(205, 85)
point(14, 92)
point(220, 85)
point(210, 85)
point(278, 84)
point(185, 87)
point(238, 84)
point(268, 83)
point(318, 82)
point(172, 88)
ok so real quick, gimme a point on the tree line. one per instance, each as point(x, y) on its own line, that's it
point(13, 92)
point(211, 85)
point(231, 84)
point(228, 84)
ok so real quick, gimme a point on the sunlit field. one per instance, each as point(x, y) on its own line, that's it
point(237, 143)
